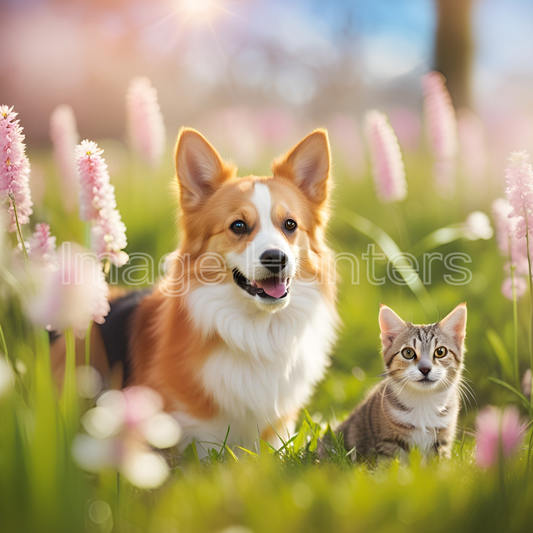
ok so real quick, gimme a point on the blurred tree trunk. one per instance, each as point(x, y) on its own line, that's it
point(454, 47)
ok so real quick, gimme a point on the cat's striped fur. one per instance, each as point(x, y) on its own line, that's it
point(418, 402)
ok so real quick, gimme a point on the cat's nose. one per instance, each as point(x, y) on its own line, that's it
point(424, 369)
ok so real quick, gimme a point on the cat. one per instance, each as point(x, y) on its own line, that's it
point(418, 402)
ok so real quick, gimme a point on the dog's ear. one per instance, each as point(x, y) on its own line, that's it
point(308, 165)
point(199, 168)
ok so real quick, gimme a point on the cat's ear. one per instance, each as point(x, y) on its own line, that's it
point(454, 324)
point(199, 168)
point(390, 324)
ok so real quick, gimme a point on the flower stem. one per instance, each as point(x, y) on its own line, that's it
point(530, 305)
point(19, 231)
point(107, 267)
point(68, 398)
point(88, 344)
point(118, 501)
point(515, 321)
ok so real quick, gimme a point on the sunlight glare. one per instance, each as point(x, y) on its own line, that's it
point(198, 10)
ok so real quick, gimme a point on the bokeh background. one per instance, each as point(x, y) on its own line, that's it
point(255, 76)
point(263, 60)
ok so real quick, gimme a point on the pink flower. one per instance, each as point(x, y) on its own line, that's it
point(146, 126)
point(520, 287)
point(64, 135)
point(70, 295)
point(497, 433)
point(387, 162)
point(510, 246)
point(98, 204)
point(442, 129)
point(14, 167)
point(42, 245)
point(122, 430)
point(519, 177)
point(505, 225)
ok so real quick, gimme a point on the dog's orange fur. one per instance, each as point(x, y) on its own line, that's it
point(166, 348)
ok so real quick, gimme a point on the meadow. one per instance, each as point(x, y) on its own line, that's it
point(286, 490)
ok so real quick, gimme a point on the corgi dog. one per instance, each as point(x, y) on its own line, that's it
point(238, 333)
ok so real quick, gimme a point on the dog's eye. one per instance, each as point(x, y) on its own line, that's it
point(239, 226)
point(408, 353)
point(441, 352)
point(290, 224)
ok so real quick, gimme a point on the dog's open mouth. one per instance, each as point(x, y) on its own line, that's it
point(274, 288)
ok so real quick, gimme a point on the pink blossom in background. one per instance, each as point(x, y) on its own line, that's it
point(508, 243)
point(14, 168)
point(42, 245)
point(345, 135)
point(473, 144)
point(441, 125)
point(98, 204)
point(519, 178)
point(497, 434)
point(510, 246)
point(387, 163)
point(520, 287)
point(406, 124)
point(70, 295)
point(505, 225)
point(122, 430)
point(64, 135)
point(145, 121)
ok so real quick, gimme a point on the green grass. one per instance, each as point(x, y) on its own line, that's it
point(41, 490)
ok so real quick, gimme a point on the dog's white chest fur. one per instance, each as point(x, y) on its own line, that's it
point(269, 363)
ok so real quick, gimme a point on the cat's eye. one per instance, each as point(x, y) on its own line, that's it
point(239, 226)
point(290, 224)
point(408, 353)
point(441, 352)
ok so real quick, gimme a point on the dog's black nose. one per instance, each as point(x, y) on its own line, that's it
point(425, 370)
point(275, 260)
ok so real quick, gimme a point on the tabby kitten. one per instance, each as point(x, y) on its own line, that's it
point(418, 402)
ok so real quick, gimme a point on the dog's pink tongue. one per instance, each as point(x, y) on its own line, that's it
point(274, 287)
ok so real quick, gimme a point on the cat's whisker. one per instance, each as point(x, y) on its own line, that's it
point(469, 392)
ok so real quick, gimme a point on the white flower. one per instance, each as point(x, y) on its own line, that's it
point(478, 226)
point(71, 295)
point(122, 430)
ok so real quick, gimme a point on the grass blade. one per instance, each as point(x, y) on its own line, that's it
point(393, 254)
point(515, 391)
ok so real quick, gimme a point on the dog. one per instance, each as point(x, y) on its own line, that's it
point(239, 331)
